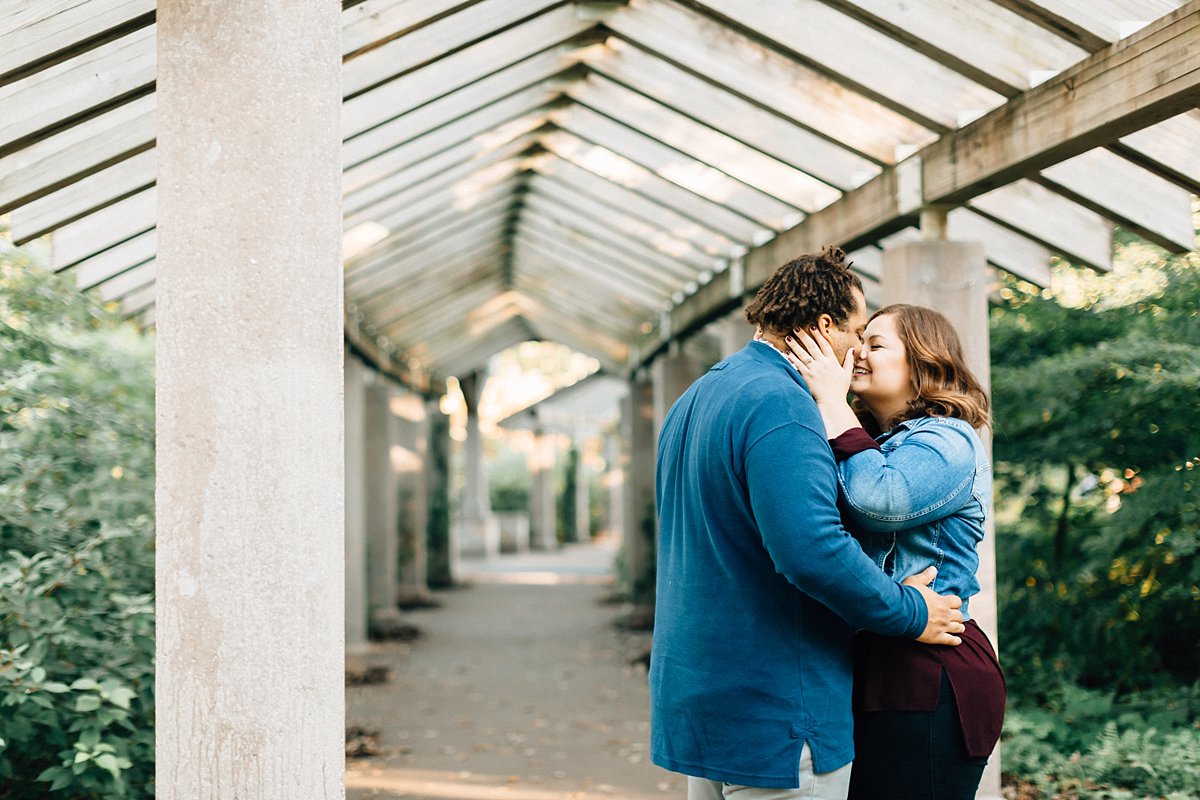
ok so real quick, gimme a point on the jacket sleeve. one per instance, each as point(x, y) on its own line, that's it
point(791, 477)
point(927, 476)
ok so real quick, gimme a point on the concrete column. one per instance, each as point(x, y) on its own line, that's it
point(382, 514)
point(672, 374)
point(583, 516)
point(543, 511)
point(614, 482)
point(951, 277)
point(249, 580)
point(440, 564)
point(356, 504)
point(733, 332)
point(638, 465)
point(478, 532)
point(410, 456)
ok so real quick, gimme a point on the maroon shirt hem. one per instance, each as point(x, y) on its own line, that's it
point(896, 674)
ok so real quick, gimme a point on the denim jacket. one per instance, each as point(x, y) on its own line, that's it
point(921, 500)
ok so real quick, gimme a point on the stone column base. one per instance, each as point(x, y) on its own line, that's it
point(478, 538)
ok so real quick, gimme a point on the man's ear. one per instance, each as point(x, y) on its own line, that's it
point(825, 326)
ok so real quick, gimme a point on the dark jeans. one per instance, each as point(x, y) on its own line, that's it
point(913, 755)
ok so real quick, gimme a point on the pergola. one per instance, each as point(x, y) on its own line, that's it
point(299, 195)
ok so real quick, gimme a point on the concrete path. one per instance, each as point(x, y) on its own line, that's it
point(519, 689)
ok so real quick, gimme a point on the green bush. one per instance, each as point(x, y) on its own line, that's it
point(76, 543)
point(1116, 759)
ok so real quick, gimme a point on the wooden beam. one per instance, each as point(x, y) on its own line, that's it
point(485, 129)
point(1057, 22)
point(614, 195)
point(82, 87)
point(705, 144)
point(99, 231)
point(533, 244)
point(115, 260)
point(612, 167)
point(436, 211)
point(392, 283)
point(861, 59)
point(387, 359)
point(77, 200)
point(707, 48)
point(40, 34)
point(459, 165)
point(369, 24)
point(679, 168)
point(762, 128)
point(987, 43)
point(62, 159)
point(455, 33)
point(1051, 219)
point(1134, 198)
point(638, 245)
point(1010, 250)
point(1136, 82)
point(1167, 149)
point(462, 68)
point(128, 281)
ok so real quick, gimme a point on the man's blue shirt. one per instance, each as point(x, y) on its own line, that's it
point(759, 586)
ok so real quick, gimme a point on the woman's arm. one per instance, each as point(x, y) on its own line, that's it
point(928, 476)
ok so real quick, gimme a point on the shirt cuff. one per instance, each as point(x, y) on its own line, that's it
point(855, 440)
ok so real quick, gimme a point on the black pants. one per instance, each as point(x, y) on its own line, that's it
point(913, 755)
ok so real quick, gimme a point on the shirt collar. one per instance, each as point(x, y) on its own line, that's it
point(773, 349)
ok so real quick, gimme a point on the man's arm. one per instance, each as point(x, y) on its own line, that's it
point(790, 474)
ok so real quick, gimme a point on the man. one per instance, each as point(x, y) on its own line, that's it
point(759, 586)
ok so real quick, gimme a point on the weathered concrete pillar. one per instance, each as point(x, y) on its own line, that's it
point(733, 332)
point(357, 608)
point(614, 483)
point(638, 465)
point(951, 277)
point(672, 374)
point(410, 456)
point(440, 558)
point(478, 532)
point(543, 511)
point(249, 581)
point(583, 515)
point(382, 512)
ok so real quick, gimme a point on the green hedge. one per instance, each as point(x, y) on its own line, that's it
point(76, 543)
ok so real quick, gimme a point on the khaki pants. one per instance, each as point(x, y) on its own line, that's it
point(825, 786)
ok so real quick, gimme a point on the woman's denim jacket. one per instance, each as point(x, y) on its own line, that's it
point(921, 500)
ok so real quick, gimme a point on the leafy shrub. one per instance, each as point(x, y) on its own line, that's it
point(1119, 760)
point(76, 543)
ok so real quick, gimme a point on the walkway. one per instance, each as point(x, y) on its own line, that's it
point(519, 689)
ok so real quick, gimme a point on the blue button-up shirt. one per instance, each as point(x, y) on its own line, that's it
point(921, 500)
point(759, 584)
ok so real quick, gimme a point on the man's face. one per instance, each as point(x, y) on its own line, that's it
point(849, 333)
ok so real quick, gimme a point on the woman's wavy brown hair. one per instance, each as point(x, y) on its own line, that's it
point(944, 384)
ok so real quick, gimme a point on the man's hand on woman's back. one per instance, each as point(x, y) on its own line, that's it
point(945, 618)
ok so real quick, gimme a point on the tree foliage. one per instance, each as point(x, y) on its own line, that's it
point(1098, 452)
point(76, 543)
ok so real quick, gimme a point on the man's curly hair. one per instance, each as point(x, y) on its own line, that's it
point(802, 290)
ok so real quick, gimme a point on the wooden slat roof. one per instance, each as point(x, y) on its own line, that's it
point(613, 174)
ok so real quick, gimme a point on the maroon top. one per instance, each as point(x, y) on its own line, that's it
point(896, 674)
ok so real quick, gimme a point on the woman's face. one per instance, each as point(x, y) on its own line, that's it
point(881, 376)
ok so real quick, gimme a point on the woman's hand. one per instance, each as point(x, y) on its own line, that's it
point(812, 355)
point(827, 380)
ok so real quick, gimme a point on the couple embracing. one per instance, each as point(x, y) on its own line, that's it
point(812, 635)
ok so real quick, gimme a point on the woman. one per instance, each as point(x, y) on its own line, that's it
point(926, 716)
